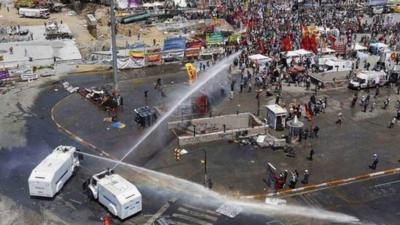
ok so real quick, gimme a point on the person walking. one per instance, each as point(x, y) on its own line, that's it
point(310, 154)
point(306, 177)
point(294, 180)
point(386, 103)
point(375, 161)
point(372, 107)
point(392, 122)
point(339, 120)
point(316, 130)
point(285, 175)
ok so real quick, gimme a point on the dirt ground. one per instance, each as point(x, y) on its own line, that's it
point(77, 24)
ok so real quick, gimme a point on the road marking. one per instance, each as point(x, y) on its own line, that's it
point(329, 184)
point(191, 219)
point(388, 183)
point(177, 222)
point(199, 209)
point(157, 214)
point(78, 202)
point(377, 174)
point(275, 222)
point(198, 214)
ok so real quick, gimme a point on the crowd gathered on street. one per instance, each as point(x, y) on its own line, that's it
point(274, 28)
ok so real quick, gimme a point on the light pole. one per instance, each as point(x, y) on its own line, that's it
point(114, 46)
point(205, 168)
point(179, 152)
point(258, 101)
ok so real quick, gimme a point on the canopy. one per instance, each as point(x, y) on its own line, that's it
point(259, 57)
point(300, 52)
point(326, 50)
point(180, 3)
point(359, 47)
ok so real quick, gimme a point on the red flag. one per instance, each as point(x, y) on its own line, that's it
point(313, 44)
point(286, 44)
point(305, 43)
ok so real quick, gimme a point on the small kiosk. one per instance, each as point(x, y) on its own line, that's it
point(295, 128)
point(276, 116)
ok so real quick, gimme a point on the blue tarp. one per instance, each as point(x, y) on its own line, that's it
point(175, 43)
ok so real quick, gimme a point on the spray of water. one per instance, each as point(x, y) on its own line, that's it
point(208, 196)
point(192, 189)
point(199, 83)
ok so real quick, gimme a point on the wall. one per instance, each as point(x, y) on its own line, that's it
point(215, 124)
point(211, 128)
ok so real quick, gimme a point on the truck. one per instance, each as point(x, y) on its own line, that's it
point(118, 195)
point(34, 13)
point(50, 175)
point(368, 79)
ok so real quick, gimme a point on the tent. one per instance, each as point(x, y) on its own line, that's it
point(298, 53)
point(180, 3)
point(260, 59)
point(326, 51)
point(359, 47)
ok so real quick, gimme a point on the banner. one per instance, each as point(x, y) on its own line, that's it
point(192, 52)
point(130, 63)
point(153, 56)
point(136, 54)
point(192, 73)
point(214, 39)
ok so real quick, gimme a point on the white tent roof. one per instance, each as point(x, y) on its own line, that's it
point(180, 3)
point(326, 50)
point(300, 52)
point(154, 4)
point(359, 47)
point(260, 57)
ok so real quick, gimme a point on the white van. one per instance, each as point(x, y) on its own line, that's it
point(367, 79)
point(47, 178)
point(118, 195)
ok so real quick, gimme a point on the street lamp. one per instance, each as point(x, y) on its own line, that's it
point(114, 46)
point(179, 152)
point(258, 101)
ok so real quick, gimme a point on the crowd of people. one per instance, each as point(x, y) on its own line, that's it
point(273, 28)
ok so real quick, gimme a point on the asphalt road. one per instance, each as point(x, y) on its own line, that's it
point(373, 201)
point(71, 206)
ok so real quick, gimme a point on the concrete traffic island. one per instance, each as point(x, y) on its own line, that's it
point(225, 127)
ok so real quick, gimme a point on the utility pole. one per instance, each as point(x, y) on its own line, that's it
point(114, 46)
point(205, 168)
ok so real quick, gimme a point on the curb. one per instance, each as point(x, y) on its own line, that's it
point(74, 136)
point(316, 187)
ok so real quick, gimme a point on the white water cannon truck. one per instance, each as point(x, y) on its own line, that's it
point(47, 178)
point(118, 195)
